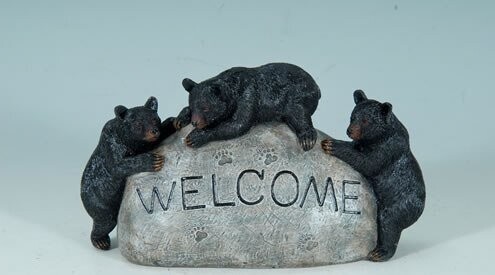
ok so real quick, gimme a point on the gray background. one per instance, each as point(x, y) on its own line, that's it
point(65, 65)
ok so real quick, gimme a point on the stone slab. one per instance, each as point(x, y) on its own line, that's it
point(247, 202)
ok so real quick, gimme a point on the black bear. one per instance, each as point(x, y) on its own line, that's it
point(380, 152)
point(229, 104)
point(123, 150)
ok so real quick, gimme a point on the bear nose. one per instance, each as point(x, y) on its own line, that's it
point(155, 131)
point(349, 131)
point(194, 124)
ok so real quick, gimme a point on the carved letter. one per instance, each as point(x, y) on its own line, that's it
point(184, 192)
point(321, 201)
point(215, 199)
point(260, 176)
point(297, 188)
point(348, 197)
point(156, 193)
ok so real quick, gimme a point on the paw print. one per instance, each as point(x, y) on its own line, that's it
point(267, 156)
point(307, 242)
point(223, 157)
point(199, 233)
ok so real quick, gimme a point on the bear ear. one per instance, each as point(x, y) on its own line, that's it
point(359, 96)
point(188, 84)
point(120, 111)
point(152, 103)
point(386, 110)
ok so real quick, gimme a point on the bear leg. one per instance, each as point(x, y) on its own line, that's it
point(389, 232)
point(99, 235)
point(302, 125)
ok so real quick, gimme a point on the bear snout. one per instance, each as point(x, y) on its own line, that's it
point(198, 121)
point(354, 132)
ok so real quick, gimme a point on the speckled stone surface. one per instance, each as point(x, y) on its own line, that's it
point(247, 202)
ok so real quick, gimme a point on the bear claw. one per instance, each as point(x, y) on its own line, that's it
point(101, 243)
point(158, 162)
point(379, 255)
point(195, 139)
point(189, 142)
point(307, 140)
point(327, 146)
point(177, 124)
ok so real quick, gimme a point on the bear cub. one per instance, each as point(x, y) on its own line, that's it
point(123, 150)
point(380, 152)
point(229, 104)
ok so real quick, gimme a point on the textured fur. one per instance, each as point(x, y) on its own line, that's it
point(380, 152)
point(123, 150)
point(229, 104)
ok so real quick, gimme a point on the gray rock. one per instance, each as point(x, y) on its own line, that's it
point(247, 202)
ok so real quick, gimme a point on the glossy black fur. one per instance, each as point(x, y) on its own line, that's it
point(123, 150)
point(380, 152)
point(229, 104)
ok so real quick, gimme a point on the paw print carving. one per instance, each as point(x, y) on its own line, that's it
point(223, 157)
point(268, 156)
point(307, 242)
point(199, 233)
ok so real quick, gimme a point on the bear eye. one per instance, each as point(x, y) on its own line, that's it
point(365, 122)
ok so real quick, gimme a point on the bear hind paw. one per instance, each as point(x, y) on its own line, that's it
point(102, 243)
point(380, 254)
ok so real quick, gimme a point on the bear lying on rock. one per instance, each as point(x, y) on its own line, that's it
point(229, 104)
point(123, 150)
point(380, 152)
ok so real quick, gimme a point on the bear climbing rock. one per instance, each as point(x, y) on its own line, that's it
point(229, 104)
point(123, 150)
point(380, 152)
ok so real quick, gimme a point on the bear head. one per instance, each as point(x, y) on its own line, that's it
point(209, 103)
point(140, 124)
point(370, 119)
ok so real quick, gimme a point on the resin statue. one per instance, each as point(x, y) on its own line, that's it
point(228, 105)
point(123, 150)
point(380, 152)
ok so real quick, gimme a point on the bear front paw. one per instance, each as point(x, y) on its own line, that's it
point(178, 124)
point(327, 146)
point(183, 119)
point(158, 161)
point(196, 138)
point(307, 139)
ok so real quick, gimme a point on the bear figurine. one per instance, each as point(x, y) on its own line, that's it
point(380, 152)
point(123, 150)
point(229, 104)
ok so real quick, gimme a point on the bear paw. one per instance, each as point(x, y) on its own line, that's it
point(307, 139)
point(158, 161)
point(196, 138)
point(380, 255)
point(327, 146)
point(183, 119)
point(101, 243)
point(178, 124)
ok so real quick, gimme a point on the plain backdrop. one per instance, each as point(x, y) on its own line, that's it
point(64, 65)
